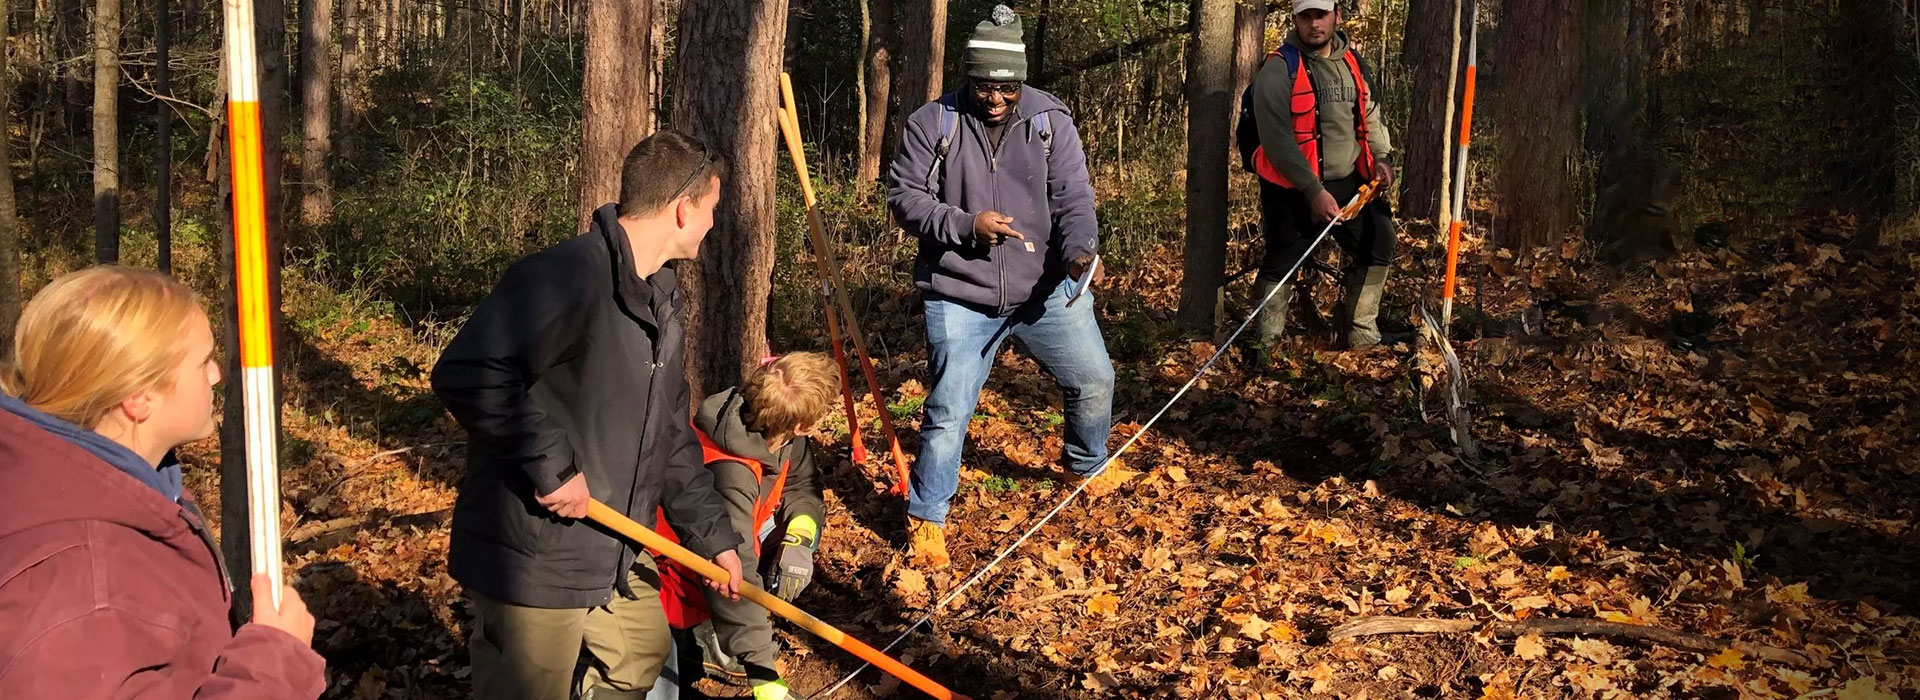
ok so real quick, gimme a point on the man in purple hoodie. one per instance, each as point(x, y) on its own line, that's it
point(993, 181)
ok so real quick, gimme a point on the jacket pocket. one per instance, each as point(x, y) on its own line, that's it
point(507, 513)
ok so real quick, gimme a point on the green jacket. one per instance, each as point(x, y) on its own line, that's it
point(1334, 88)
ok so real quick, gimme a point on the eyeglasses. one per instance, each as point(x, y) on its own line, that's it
point(706, 158)
point(985, 90)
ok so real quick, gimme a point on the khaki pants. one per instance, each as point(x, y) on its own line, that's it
point(523, 653)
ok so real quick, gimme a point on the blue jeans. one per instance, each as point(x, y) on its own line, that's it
point(961, 345)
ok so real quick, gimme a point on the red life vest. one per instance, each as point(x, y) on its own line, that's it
point(1304, 103)
point(683, 591)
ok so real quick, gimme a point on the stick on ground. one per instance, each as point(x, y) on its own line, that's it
point(1370, 626)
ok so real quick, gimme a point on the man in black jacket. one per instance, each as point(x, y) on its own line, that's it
point(568, 379)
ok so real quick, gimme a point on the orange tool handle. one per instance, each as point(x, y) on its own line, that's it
point(830, 266)
point(846, 381)
point(599, 512)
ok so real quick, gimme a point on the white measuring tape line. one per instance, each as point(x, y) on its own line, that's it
point(1075, 493)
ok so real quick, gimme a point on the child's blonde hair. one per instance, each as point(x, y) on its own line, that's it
point(94, 337)
point(789, 394)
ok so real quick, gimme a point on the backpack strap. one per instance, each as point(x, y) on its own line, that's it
point(949, 126)
point(1045, 125)
point(1292, 56)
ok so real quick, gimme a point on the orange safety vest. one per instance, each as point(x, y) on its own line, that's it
point(681, 588)
point(1305, 105)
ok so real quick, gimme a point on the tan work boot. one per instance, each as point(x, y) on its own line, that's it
point(1112, 478)
point(927, 543)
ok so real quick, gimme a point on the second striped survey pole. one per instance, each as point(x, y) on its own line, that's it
point(612, 519)
point(829, 270)
point(1460, 178)
point(253, 294)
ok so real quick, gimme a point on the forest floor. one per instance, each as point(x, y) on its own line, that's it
point(1722, 443)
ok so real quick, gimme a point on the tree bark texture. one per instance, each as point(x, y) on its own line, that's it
point(106, 131)
point(270, 31)
point(923, 28)
point(73, 45)
point(1043, 16)
point(1424, 157)
point(163, 137)
point(9, 216)
point(618, 95)
point(1538, 117)
point(879, 88)
point(316, 111)
point(1209, 120)
point(353, 71)
point(730, 51)
point(1249, 44)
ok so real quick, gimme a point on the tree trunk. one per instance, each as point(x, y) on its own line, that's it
point(1868, 182)
point(879, 88)
point(516, 24)
point(163, 137)
point(666, 13)
point(270, 30)
point(1538, 118)
point(270, 40)
point(235, 542)
point(617, 96)
point(1431, 37)
point(1249, 44)
point(106, 131)
point(1043, 17)
point(9, 218)
point(353, 61)
point(790, 49)
point(1209, 118)
point(729, 54)
point(73, 47)
point(923, 26)
point(316, 111)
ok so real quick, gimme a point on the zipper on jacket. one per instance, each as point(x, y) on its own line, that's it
point(646, 414)
point(220, 565)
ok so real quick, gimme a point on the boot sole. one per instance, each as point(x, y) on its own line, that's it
point(724, 675)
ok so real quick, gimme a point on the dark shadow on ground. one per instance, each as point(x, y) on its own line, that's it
point(393, 416)
point(381, 640)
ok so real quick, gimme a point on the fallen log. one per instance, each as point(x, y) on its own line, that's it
point(1688, 641)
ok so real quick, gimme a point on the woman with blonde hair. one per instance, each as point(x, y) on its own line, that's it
point(110, 586)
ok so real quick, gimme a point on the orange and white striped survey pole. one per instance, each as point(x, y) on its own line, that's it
point(250, 287)
point(1460, 179)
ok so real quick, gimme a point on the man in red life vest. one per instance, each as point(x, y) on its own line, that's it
point(1321, 137)
point(755, 440)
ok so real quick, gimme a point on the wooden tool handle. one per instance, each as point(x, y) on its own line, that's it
point(611, 519)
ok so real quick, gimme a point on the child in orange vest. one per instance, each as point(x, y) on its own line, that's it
point(756, 441)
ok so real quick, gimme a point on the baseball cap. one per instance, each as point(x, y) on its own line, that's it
point(1300, 6)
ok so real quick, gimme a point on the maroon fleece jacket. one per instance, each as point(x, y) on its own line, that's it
point(110, 590)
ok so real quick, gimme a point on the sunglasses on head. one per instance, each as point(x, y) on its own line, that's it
point(706, 158)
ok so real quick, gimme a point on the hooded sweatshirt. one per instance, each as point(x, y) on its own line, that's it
point(1336, 95)
point(743, 627)
point(110, 586)
point(1050, 198)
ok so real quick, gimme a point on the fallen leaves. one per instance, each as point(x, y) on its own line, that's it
point(1729, 658)
point(1530, 647)
point(1103, 605)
